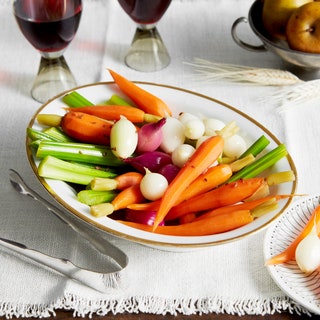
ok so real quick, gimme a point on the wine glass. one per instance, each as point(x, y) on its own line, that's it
point(147, 52)
point(49, 25)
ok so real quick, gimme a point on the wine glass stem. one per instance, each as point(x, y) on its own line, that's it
point(147, 52)
point(54, 76)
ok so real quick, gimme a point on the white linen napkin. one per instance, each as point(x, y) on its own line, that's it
point(222, 279)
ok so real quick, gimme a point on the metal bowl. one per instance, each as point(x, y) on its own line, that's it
point(306, 65)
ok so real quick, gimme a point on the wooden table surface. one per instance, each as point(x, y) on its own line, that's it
point(141, 316)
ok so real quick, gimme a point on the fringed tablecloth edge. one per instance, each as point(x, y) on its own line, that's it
point(83, 307)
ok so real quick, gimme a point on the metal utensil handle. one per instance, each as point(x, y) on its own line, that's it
point(240, 42)
point(89, 278)
point(98, 242)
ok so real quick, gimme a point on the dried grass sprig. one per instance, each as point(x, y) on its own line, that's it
point(293, 91)
point(292, 96)
point(212, 71)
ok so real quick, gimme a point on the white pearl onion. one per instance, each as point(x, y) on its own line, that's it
point(153, 185)
point(181, 154)
point(123, 138)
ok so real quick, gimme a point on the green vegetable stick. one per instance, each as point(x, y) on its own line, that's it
point(261, 164)
point(79, 152)
point(259, 145)
point(76, 100)
point(93, 197)
point(54, 168)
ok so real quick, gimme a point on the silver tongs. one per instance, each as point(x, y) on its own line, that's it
point(101, 279)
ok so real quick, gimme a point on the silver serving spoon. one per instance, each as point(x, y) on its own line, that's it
point(94, 239)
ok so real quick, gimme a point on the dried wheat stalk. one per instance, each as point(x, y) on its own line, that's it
point(212, 71)
point(293, 92)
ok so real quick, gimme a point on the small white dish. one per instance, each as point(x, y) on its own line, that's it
point(302, 288)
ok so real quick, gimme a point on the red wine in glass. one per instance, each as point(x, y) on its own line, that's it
point(49, 26)
point(147, 52)
point(145, 11)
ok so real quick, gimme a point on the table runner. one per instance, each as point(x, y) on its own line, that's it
point(222, 279)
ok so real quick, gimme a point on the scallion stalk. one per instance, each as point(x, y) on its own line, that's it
point(75, 100)
point(54, 168)
point(261, 164)
point(79, 152)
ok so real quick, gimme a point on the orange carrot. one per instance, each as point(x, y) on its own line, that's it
point(86, 128)
point(201, 160)
point(127, 196)
point(210, 179)
point(142, 98)
point(114, 112)
point(187, 218)
point(222, 196)
point(153, 205)
point(240, 206)
point(222, 223)
point(128, 179)
point(289, 253)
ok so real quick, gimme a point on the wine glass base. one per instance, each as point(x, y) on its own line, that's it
point(147, 52)
point(54, 77)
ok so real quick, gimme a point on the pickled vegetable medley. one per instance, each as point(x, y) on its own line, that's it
point(131, 160)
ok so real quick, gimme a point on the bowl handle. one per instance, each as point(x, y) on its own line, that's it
point(241, 43)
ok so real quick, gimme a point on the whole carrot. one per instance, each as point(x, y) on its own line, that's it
point(120, 182)
point(127, 196)
point(128, 179)
point(86, 128)
point(210, 179)
point(142, 98)
point(210, 226)
point(222, 196)
point(250, 205)
point(289, 253)
point(113, 112)
point(201, 160)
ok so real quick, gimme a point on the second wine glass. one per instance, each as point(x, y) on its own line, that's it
point(49, 25)
point(147, 52)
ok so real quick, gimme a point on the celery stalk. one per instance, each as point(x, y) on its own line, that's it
point(259, 145)
point(34, 134)
point(117, 100)
point(79, 152)
point(54, 168)
point(266, 161)
point(76, 100)
point(57, 134)
point(93, 197)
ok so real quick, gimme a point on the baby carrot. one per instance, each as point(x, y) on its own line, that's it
point(222, 223)
point(128, 179)
point(142, 98)
point(241, 206)
point(113, 112)
point(201, 159)
point(222, 196)
point(153, 205)
point(120, 182)
point(210, 179)
point(289, 253)
point(127, 196)
point(86, 128)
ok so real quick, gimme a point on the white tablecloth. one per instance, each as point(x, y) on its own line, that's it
point(229, 278)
